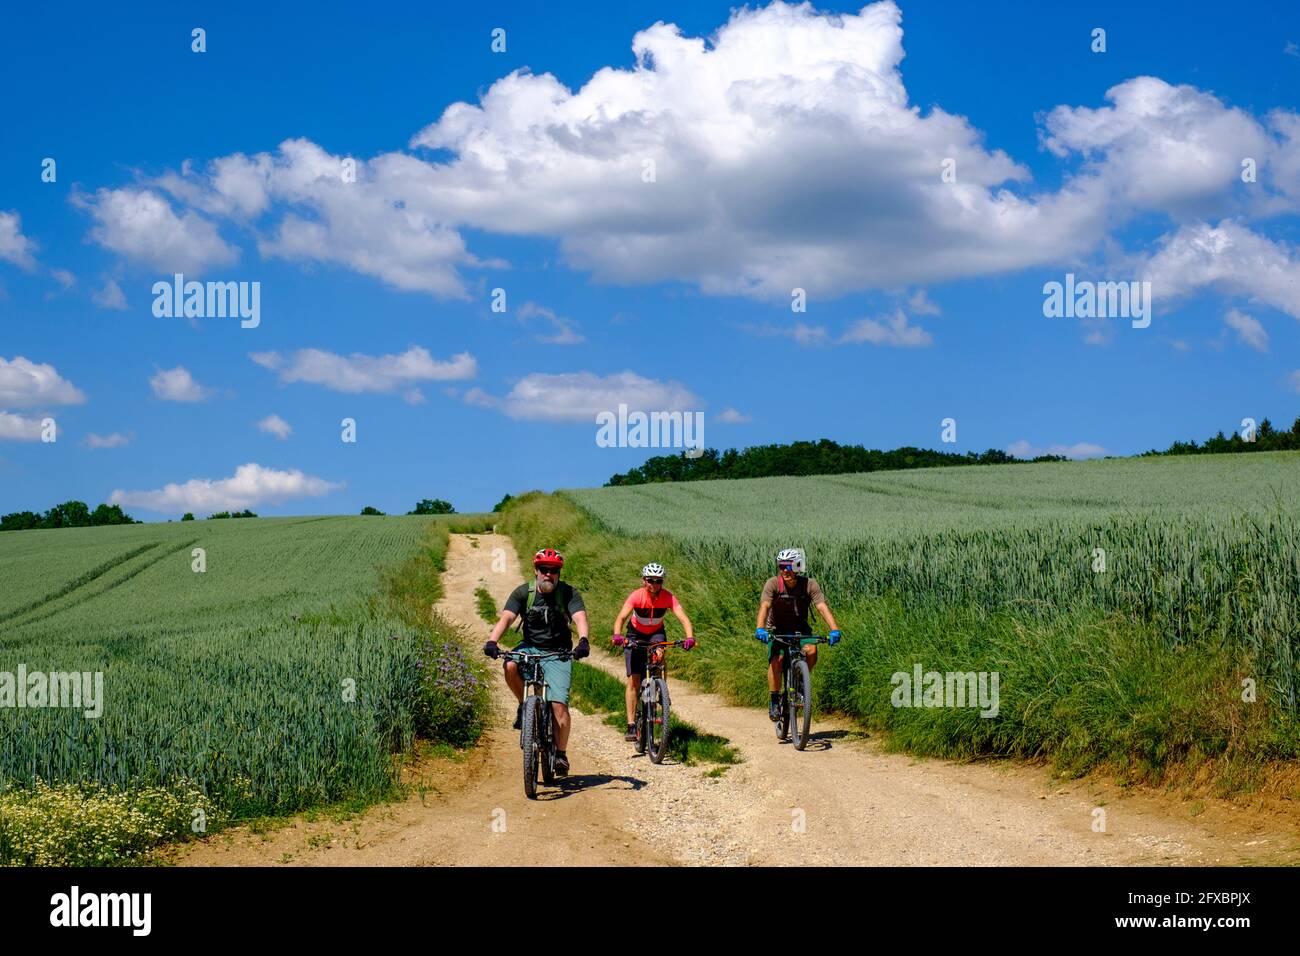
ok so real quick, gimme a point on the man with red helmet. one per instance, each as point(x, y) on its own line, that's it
point(546, 620)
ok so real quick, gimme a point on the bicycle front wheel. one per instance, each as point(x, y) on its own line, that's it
point(657, 720)
point(801, 704)
point(530, 740)
point(546, 738)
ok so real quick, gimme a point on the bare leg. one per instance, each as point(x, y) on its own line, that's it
point(630, 695)
point(561, 712)
point(514, 681)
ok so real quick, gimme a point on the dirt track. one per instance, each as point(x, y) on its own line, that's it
point(842, 801)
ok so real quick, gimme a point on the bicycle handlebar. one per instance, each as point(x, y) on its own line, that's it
point(522, 656)
point(651, 644)
point(798, 638)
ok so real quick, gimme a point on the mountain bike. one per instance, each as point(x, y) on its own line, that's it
point(537, 725)
point(796, 688)
point(652, 704)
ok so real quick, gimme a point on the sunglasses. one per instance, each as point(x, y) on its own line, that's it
point(653, 580)
point(785, 567)
point(545, 570)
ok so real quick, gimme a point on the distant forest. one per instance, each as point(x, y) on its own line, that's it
point(826, 457)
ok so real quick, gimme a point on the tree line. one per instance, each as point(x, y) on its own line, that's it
point(70, 514)
point(824, 457)
point(1266, 438)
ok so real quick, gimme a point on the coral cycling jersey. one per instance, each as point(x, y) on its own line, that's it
point(648, 612)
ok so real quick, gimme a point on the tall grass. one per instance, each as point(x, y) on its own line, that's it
point(295, 671)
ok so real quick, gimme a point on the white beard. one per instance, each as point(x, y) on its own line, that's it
point(545, 585)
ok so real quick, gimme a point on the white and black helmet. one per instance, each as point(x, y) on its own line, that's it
point(793, 556)
point(652, 570)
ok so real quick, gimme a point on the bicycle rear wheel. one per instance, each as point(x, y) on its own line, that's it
point(657, 721)
point(801, 704)
point(530, 741)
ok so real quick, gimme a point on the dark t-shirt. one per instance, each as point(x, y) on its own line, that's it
point(545, 624)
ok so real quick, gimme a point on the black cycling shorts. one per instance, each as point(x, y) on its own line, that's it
point(634, 657)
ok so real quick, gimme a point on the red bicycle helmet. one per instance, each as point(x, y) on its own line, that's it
point(548, 556)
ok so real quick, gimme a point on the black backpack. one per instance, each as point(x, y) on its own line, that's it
point(563, 595)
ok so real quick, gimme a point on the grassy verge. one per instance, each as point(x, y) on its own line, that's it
point(416, 681)
point(487, 608)
point(595, 691)
point(1083, 689)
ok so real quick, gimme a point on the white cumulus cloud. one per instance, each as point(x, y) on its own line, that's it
point(250, 486)
point(19, 427)
point(115, 440)
point(275, 425)
point(25, 383)
point(368, 373)
point(894, 330)
point(110, 297)
point(178, 385)
point(142, 226)
point(580, 396)
point(14, 246)
point(1229, 258)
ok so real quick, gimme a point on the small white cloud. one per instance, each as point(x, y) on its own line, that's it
point(801, 332)
point(1291, 49)
point(178, 385)
point(275, 425)
point(730, 416)
point(19, 428)
point(581, 396)
point(24, 383)
point(141, 225)
point(14, 246)
point(250, 486)
point(892, 331)
point(1248, 329)
point(562, 331)
point(920, 304)
point(115, 440)
point(63, 277)
point(110, 297)
point(368, 373)
point(1083, 449)
point(1294, 380)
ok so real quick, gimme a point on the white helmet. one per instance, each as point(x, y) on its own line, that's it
point(793, 556)
point(652, 570)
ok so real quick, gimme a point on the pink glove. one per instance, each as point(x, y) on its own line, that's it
point(688, 643)
point(618, 640)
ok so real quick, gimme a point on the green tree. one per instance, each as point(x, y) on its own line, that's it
point(435, 506)
point(367, 510)
point(188, 516)
point(500, 505)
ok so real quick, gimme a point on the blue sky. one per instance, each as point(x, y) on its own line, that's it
point(793, 147)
